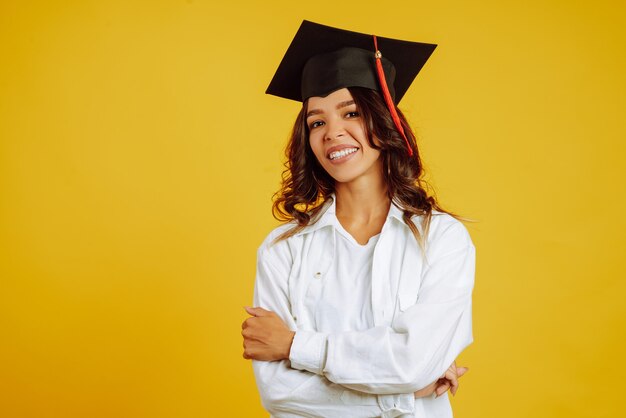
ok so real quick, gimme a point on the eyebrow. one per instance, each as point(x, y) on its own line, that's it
point(340, 105)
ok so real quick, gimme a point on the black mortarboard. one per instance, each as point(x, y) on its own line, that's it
point(322, 59)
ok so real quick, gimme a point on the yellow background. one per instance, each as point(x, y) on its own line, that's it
point(138, 156)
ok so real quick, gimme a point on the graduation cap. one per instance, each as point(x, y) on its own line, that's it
point(322, 59)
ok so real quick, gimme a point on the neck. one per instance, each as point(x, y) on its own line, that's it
point(362, 201)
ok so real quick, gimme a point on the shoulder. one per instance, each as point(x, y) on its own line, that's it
point(273, 251)
point(446, 234)
point(270, 238)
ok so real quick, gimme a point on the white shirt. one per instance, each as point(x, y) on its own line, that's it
point(345, 303)
point(421, 319)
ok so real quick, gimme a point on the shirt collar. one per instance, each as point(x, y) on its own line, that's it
point(327, 216)
point(396, 212)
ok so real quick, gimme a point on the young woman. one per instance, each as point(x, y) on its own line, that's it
point(363, 297)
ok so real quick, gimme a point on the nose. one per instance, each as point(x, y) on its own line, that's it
point(334, 129)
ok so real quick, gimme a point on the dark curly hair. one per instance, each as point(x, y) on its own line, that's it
point(306, 185)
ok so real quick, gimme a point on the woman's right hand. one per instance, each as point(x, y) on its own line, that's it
point(449, 380)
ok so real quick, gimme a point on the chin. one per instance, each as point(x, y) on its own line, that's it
point(344, 177)
point(346, 173)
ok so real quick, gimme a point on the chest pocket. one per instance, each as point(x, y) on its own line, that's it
point(318, 252)
point(410, 277)
point(406, 300)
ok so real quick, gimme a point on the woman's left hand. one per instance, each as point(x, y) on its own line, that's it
point(450, 379)
point(265, 336)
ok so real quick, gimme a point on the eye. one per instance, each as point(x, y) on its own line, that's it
point(315, 124)
point(354, 114)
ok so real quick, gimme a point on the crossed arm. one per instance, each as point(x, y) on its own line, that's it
point(267, 338)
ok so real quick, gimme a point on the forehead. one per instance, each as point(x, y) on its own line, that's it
point(331, 100)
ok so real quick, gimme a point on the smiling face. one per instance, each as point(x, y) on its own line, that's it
point(338, 139)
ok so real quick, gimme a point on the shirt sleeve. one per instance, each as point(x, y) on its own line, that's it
point(422, 343)
point(287, 392)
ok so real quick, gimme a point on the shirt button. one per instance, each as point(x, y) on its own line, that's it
point(318, 275)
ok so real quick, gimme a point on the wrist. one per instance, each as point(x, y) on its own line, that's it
point(287, 350)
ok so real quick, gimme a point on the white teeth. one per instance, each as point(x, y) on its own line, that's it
point(338, 154)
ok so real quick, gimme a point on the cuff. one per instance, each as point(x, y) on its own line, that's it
point(308, 351)
point(396, 405)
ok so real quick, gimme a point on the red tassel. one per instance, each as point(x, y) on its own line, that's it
point(387, 96)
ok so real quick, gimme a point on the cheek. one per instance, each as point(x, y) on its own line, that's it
point(372, 154)
point(358, 133)
point(317, 146)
